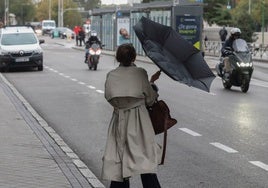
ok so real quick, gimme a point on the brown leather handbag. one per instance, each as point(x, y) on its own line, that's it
point(161, 121)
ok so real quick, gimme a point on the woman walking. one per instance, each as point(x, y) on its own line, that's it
point(131, 148)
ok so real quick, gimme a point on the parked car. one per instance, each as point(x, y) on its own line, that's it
point(62, 32)
point(20, 47)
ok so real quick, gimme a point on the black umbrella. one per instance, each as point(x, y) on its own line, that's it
point(174, 55)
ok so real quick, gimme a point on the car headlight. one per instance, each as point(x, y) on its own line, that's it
point(3, 52)
point(37, 51)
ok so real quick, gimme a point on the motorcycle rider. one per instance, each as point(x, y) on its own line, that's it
point(91, 40)
point(227, 49)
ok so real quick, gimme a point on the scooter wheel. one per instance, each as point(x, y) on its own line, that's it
point(245, 84)
point(226, 84)
point(244, 88)
point(95, 67)
point(89, 65)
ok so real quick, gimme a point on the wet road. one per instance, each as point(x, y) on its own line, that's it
point(220, 140)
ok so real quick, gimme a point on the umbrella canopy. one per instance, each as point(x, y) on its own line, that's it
point(174, 55)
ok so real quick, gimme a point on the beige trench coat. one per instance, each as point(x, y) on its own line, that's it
point(130, 147)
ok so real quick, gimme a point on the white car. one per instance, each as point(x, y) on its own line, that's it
point(20, 47)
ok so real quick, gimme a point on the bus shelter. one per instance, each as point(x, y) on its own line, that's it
point(185, 16)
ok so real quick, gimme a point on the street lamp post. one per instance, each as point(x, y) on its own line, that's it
point(249, 7)
point(49, 10)
point(6, 12)
point(60, 13)
point(65, 10)
point(262, 21)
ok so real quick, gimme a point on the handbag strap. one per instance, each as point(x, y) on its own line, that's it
point(164, 143)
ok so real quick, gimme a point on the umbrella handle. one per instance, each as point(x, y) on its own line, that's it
point(155, 76)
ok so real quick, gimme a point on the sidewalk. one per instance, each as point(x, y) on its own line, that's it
point(32, 154)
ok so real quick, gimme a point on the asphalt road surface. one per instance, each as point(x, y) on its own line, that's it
point(220, 140)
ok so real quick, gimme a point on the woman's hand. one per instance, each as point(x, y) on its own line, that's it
point(155, 76)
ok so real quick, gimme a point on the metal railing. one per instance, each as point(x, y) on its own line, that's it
point(257, 50)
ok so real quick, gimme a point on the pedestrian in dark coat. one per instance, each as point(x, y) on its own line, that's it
point(223, 34)
point(82, 36)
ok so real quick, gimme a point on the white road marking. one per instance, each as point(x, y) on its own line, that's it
point(82, 83)
point(260, 164)
point(212, 93)
point(259, 83)
point(189, 131)
point(223, 147)
point(91, 87)
point(75, 80)
point(100, 91)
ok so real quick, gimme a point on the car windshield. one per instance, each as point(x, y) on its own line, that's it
point(52, 24)
point(18, 39)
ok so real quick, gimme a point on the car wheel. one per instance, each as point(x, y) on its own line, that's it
point(40, 68)
point(4, 69)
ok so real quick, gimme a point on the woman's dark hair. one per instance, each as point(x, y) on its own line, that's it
point(126, 54)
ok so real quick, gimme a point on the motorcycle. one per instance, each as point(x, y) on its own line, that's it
point(94, 56)
point(241, 67)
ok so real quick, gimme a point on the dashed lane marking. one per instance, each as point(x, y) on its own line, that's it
point(260, 164)
point(224, 147)
point(82, 83)
point(99, 91)
point(190, 132)
point(75, 80)
point(91, 87)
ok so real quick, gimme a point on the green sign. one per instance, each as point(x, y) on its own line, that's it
point(189, 28)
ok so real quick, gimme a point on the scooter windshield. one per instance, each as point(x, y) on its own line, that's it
point(95, 46)
point(241, 50)
point(240, 45)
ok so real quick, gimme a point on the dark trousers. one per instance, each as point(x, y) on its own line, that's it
point(148, 181)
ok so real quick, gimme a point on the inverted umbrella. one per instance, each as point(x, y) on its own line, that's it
point(174, 55)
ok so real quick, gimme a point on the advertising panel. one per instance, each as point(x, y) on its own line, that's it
point(123, 26)
point(189, 28)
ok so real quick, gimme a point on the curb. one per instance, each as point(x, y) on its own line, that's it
point(84, 170)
